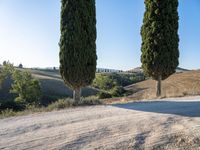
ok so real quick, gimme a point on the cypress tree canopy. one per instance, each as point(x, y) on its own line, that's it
point(78, 42)
point(160, 38)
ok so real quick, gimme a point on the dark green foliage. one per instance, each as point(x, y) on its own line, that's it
point(103, 95)
point(160, 38)
point(4, 63)
point(113, 84)
point(104, 82)
point(26, 87)
point(45, 99)
point(109, 81)
point(11, 104)
point(20, 66)
point(118, 91)
point(6, 72)
point(78, 42)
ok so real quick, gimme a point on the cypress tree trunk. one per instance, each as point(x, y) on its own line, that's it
point(158, 88)
point(77, 95)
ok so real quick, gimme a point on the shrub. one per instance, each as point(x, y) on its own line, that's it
point(7, 113)
point(61, 104)
point(109, 81)
point(92, 100)
point(104, 82)
point(49, 99)
point(11, 104)
point(118, 91)
point(26, 87)
point(103, 95)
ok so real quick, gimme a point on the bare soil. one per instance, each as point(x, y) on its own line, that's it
point(170, 124)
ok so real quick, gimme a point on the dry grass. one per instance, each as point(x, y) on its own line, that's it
point(177, 85)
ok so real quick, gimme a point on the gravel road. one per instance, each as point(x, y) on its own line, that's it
point(156, 125)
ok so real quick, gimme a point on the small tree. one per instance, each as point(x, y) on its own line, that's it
point(26, 87)
point(6, 72)
point(4, 63)
point(78, 44)
point(20, 66)
point(160, 40)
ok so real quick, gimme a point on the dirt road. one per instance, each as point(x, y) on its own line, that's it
point(167, 124)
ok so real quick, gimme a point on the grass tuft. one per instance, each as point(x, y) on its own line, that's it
point(58, 105)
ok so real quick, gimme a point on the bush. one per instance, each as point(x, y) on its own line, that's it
point(104, 82)
point(26, 87)
point(7, 113)
point(104, 95)
point(11, 104)
point(118, 91)
point(92, 100)
point(61, 104)
point(111, 80)
point(49, 99)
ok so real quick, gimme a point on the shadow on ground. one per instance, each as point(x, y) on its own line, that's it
point(182, 108)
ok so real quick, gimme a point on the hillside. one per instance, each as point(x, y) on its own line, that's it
point(139, 70)
point(51, 84)
point(177, 85)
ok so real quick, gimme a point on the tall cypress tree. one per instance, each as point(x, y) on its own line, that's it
point(78, 44)
point(160, 39)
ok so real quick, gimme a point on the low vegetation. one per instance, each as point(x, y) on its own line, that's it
point(111, 84)
point(58, 105)
point(25, 88)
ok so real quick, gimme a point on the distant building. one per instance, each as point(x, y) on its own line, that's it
point(104, 70)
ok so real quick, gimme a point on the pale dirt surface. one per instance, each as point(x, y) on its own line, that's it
point(169, 124)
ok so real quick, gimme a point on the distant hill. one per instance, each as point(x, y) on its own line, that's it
point(140, 70)
point(51, 84)
point(179, 69)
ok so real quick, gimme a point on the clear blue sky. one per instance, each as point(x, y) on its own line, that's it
point(29, 32)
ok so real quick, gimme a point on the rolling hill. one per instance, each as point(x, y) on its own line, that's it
point(180, 84)
point(51, 85)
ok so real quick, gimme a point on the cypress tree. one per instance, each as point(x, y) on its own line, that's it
point(78, 44)
point(160, 39)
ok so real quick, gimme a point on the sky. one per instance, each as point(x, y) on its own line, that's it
point(30, 32)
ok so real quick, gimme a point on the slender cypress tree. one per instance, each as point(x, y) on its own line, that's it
point(160, 39)
point(78, 44)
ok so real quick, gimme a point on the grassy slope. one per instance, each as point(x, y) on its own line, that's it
point(177, 85)
point(51, 83)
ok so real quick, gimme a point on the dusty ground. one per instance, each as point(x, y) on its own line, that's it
point(170, 124)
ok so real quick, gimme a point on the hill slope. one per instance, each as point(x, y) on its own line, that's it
point(51, 84)
point(177, 85)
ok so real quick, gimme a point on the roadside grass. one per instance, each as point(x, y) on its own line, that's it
point(58, 105)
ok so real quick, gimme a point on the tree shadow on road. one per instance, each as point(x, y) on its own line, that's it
point(182, 108)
